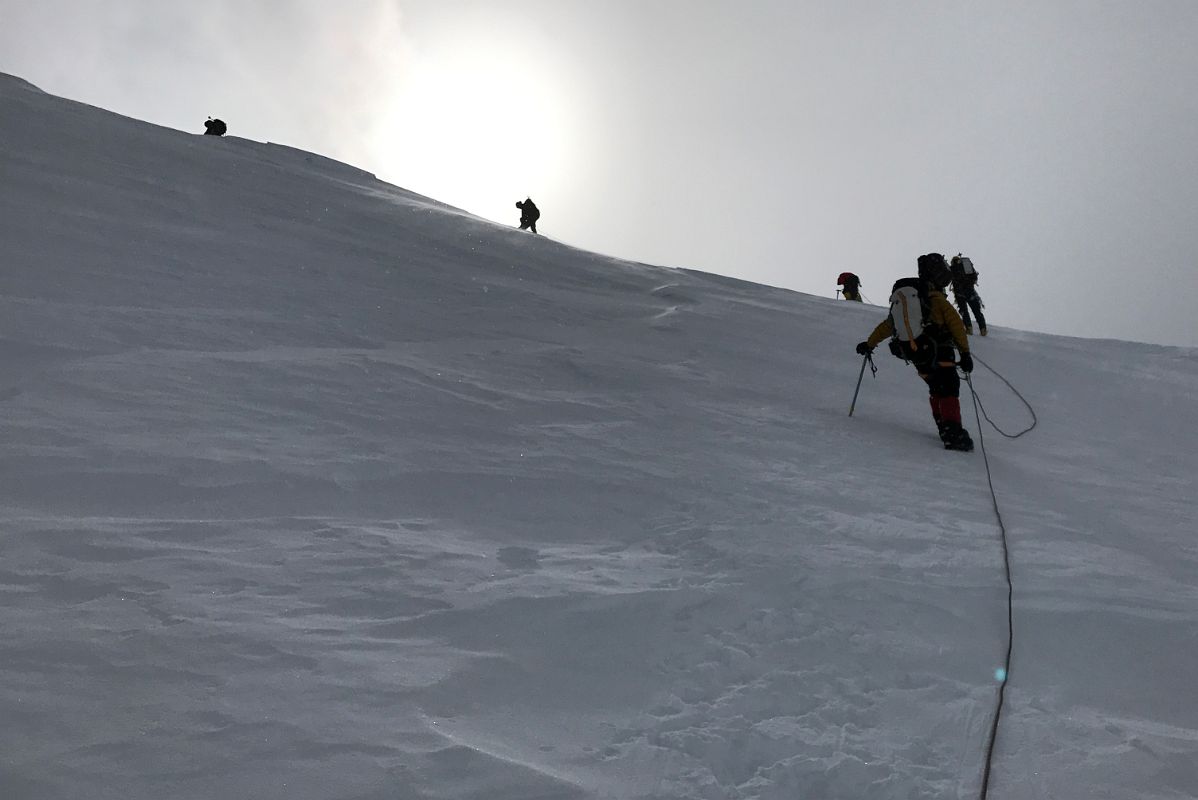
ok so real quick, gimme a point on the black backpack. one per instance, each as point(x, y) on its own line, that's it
point(964, 275)
point(215, 127)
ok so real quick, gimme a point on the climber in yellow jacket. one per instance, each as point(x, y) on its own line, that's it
point(930, 347)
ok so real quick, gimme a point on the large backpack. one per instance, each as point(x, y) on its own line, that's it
point(964, 275)
point(910, 316)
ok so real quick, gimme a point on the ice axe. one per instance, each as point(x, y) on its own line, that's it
point(868, 359)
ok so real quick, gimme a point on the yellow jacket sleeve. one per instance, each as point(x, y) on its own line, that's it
point(942, 314)
point(945, 315)
point(885, 329)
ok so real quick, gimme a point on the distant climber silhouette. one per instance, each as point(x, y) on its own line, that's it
point(529, 214)
point(851, 284)
point(215, 127)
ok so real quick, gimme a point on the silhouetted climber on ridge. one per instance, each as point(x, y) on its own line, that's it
point(215, 127)
point(851, 284)
point(529, 214)
point(965, 292)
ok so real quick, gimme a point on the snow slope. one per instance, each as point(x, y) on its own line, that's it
point(314, 488)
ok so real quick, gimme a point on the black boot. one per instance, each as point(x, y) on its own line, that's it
point(956, 438)
point(943, 429)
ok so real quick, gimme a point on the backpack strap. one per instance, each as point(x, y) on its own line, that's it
point(906, 320)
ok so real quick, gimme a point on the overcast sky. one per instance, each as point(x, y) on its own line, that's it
point(780, 141)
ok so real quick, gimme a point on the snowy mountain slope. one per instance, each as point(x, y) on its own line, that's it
point(316, 488)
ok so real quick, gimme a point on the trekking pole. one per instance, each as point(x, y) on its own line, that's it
point(874, 370)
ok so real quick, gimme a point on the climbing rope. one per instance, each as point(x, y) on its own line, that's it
point(979, 411)
point(977, 402)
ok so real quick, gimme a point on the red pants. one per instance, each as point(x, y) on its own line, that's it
point(944, 386)
point(946, 410)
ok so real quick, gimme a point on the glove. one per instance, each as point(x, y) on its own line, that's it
point(863, 349)
point(966, 363)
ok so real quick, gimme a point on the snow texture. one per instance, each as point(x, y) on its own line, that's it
point(317, 489)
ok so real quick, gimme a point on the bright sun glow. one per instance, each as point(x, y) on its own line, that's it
point(479, 125)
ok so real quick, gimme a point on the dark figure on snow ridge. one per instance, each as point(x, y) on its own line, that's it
point(851, 284)
point(965, 292)
point(924, 328)
point(529, 214)
point(214, 127)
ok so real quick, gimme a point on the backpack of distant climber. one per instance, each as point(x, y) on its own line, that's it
point(964, 274)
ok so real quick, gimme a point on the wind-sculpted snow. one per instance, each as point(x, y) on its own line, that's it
point(315, 488)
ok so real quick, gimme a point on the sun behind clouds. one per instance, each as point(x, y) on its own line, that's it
point(480, 121)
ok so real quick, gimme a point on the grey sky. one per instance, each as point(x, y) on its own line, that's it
point(778, 141)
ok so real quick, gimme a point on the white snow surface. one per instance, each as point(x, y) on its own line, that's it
point(314, 488)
